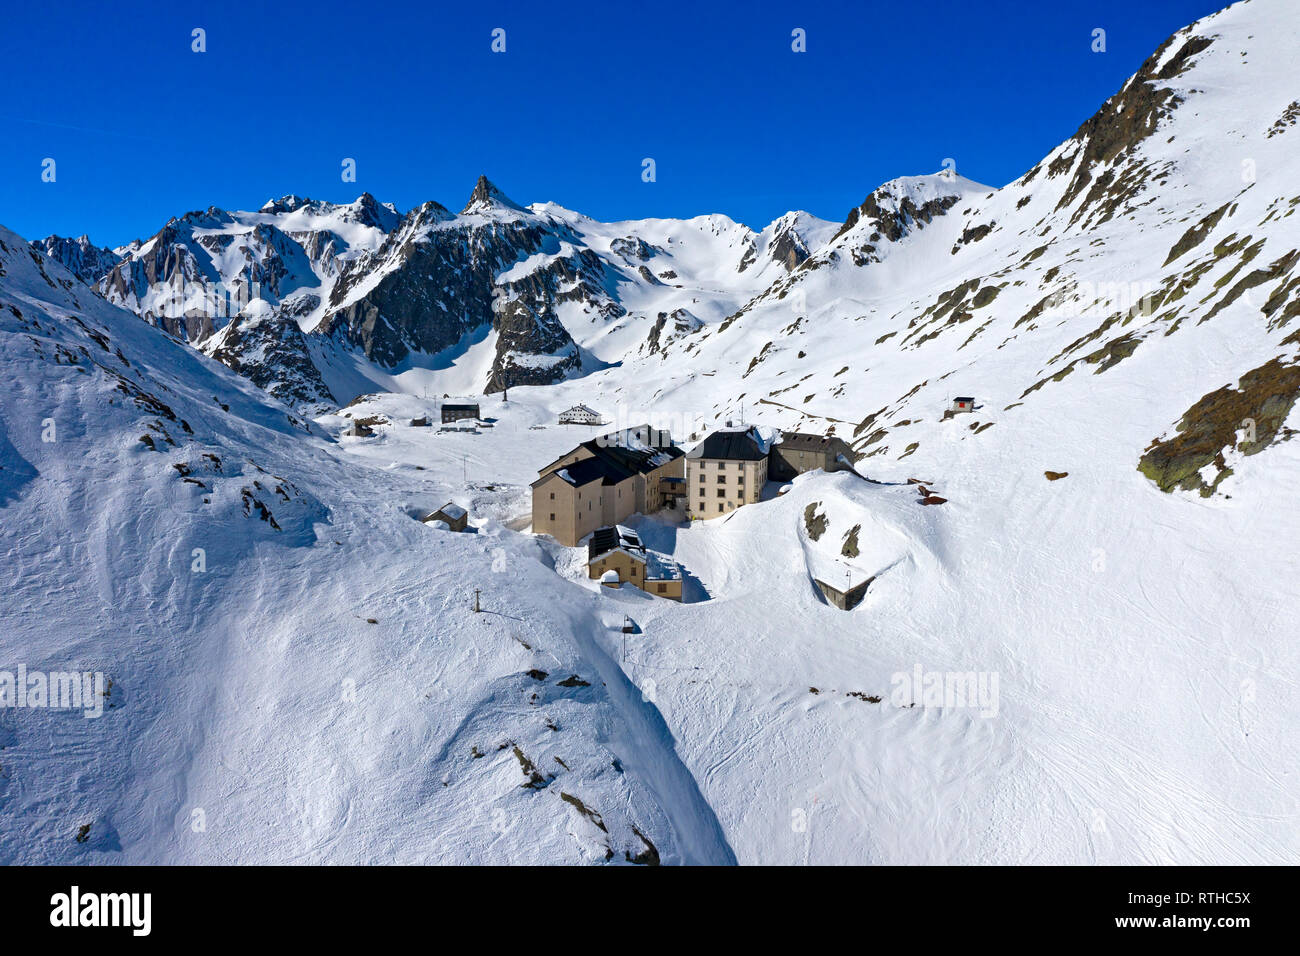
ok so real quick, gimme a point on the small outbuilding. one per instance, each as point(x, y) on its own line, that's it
point(845, 600)
point(962, 404)
point(422, 422)
point(454, 413)
point(451, 514)
point(615, 554)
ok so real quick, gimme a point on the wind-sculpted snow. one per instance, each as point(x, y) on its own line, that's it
point(286, 655)
point(1074, 645)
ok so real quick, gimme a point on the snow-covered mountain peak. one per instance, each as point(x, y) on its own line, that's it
point(488, 199)
point(791, 239)
point(902, 205)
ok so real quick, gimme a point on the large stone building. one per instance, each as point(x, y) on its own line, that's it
point(798, 452)
point(730, 467)
point(726, 470)
point(606, 479)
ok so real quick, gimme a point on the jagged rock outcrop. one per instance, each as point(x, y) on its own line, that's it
point(80, 256)
point(202, 268)
point(439, 277)
point(533, 348)
point(266, 345)
point(669, 327)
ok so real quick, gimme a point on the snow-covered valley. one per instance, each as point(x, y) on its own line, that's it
point(298, 672)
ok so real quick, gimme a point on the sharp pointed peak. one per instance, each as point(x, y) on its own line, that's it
point(487, 195)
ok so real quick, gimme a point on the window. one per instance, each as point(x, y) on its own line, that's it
point(552, 516)
point(722, 492)
point(552, 496)
point(722, 479)
point(661, 588)
point(720, 508)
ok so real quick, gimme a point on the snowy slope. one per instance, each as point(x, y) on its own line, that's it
point(1114, 552)
point(1138, 620)
point(253, 694)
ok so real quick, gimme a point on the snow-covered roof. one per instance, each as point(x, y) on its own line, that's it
point(453, 510)
point(660, 568)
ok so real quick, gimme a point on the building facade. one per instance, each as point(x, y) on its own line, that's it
point(580, 415)
point(799, 452)
point(604, 481)
point(620, 550)
point(730, 467)
point(726, 470)
point(454, 413)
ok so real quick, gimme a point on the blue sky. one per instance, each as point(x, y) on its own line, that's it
point(141, 128)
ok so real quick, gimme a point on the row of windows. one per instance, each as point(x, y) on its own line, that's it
point(702, 508)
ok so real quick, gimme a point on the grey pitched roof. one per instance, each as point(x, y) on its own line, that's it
point(586, 471)
point(731, 445)
point(803, 441)
point(619, 455)
point(607, 539)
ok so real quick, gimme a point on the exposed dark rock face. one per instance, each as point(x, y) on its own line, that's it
point(486, 196)
point(435, 285)
point(533, 348)
point(267, 347)
point(1289, 117)
point(669, 327)
point(1106, 142)
point(973, 234)
point(1247, 418)
point(173, 280)
point(80, 256)
point(789, 249)
point(441, 278)
point(895, 217)
point(632, 248)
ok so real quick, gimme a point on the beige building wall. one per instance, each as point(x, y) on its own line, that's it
point(633, 571)
point(566, 513)
point(569, 514)
point(651, 496)
point(718, 487)
point(671, 588)
point(629, 569)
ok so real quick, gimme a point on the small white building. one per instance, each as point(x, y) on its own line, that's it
point(580, 415)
